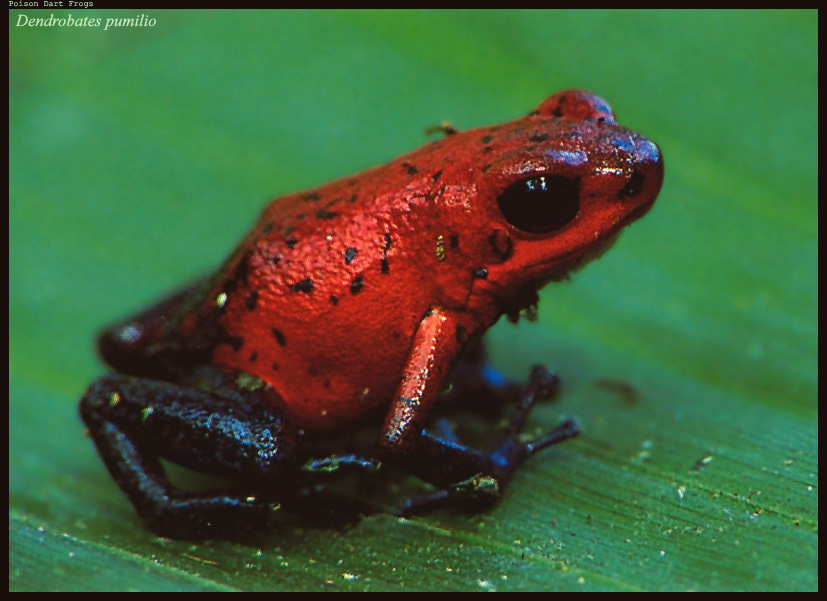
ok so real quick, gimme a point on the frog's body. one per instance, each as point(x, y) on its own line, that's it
point(353, 301)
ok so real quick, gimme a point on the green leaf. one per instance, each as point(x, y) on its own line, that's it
point(140, 154)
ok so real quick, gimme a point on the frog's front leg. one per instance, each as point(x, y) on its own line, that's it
point(460, 472)
point(134, 422)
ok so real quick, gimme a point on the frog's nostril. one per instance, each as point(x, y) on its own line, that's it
point(647, 152)
point(634, 185)
point(648, 175)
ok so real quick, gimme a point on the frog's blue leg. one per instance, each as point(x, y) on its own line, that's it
point(134, 422)
point(477, 386)
point(493, 377)
point(485, 488)
point(471, 477)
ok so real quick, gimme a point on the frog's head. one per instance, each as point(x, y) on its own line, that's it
point(566, 180)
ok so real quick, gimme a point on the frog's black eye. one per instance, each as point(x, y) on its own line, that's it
point(541, 204)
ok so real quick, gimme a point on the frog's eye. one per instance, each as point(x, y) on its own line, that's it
point(541, 203)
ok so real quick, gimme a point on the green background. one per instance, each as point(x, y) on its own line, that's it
point(139, 156)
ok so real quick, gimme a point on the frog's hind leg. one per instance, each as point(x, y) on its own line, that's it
point(134, 422)
point(130, 346)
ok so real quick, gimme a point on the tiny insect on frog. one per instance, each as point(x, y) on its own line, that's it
point(362, 302)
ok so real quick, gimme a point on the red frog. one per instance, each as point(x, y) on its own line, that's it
point(356, 303)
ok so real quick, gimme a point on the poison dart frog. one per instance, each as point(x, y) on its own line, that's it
point(362, 302)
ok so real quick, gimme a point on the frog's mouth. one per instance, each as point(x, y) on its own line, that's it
point(639, 212)
point(574, 261)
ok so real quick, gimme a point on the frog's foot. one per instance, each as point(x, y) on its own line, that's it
point(483, 490)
